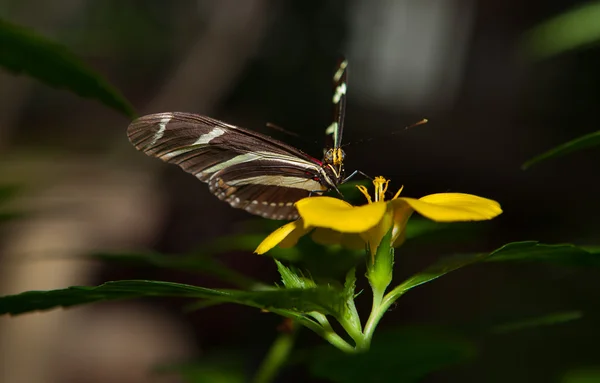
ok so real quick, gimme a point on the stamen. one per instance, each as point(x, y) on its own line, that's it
point(365, 192)
point(384, 190)
point(381, 185)
point(398, 193)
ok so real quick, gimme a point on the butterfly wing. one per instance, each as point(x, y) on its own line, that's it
point(248, 170)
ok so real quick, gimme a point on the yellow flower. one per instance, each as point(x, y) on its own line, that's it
point(339, 222)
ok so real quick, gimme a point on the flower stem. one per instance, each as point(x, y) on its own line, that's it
point(377, 311)
point(276, 357)
point(355, 333)
point(380, 307)
point(329, 334)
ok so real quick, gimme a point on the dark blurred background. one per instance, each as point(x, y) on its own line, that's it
point(458, 63)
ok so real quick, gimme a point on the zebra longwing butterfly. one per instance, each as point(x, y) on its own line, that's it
point(249, 170)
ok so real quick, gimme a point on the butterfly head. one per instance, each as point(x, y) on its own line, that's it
point(334, 156)
point(333, 165)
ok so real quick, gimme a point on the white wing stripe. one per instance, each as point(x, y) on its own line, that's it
point(208, 137)
point(162, 126)
point(253, 156)
point(284, 181)
point(203, 140)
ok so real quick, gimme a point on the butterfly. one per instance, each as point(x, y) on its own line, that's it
point(249, 170)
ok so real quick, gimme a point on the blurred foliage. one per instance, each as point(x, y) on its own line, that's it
point(580, 143)
point(402, 355)
point(582, 375)
point(7, 194)
point(570, 30)
point(565, 254)
point(197, 263)
point(322, 299)
point(216, 368)
point(23, 51)
point(545, 320)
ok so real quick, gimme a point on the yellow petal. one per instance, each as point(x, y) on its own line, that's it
point(374, 235)
point(326, 237)
point(333, 213)
point(452, 207)
point(402, 213)
point(286, 236)
point(350, 241)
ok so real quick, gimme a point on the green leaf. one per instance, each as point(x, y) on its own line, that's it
point(402, 355)
point(292, 278)
point(582, 375)
point(324, 300)
point(584, 142)
point(224, 368)
point(24, 51)
point(528, 251)
point(570, 30)
point(441, 267)
point(351, 314)
point(190, 263)
point(545, 320)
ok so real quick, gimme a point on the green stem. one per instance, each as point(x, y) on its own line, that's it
point(377, 312)
point(329, 334)
point(276, 357)
point(321, 327)
point(380, 307)
point(355, 333)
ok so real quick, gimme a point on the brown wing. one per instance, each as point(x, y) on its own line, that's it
point(266, 188)
point(247, 169)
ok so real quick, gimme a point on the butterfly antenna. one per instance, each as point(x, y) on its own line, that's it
point(421, 122)
point(280, 129)
point(292, 134)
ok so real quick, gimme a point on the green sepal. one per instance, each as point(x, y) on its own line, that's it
point(380, 267)
point(293, 278)
point(350, 314)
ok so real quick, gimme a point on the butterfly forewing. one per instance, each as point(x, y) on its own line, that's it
point(247, 169)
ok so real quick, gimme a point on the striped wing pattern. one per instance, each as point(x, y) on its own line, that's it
point(248, 170)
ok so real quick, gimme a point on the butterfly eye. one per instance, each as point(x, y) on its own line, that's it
point(327, 156)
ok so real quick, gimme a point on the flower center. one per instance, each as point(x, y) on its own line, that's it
point(381, 186)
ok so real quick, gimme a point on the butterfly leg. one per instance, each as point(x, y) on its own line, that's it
point(320, 192)
point(355, 173)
